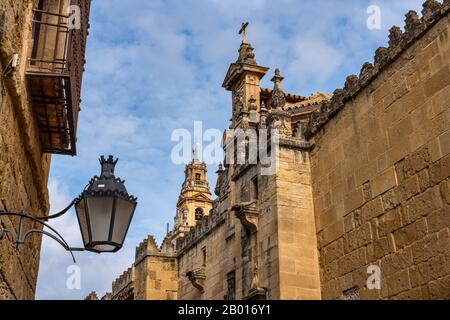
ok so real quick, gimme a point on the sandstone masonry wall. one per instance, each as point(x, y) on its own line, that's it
point(296, 232)
point(23, 168)
point(381, 169)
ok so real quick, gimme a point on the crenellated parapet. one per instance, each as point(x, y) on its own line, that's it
point(149, 247)
point(92, 296)
point(125, 280)
point(203, 227)
point(399, 41)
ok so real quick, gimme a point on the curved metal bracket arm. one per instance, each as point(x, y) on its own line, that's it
point(59, 214)
point(22, 236)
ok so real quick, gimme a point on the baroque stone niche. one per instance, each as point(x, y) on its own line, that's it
point(248, 214)
point(197, 277)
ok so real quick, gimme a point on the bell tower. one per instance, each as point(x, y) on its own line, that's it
point(194, 201)
point(243, 80)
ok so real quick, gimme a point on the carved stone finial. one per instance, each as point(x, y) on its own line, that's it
point(351, 83)
point(446, 4)
point(395, 36)
point(366, 71)
point(246, 54)
point(278, 99)
point(430, 9)
point(412, 22)
point(381, 56)
point(337, 100)
point(217, 189)
point(263, 115)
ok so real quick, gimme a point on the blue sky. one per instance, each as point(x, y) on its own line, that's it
point(155, 66)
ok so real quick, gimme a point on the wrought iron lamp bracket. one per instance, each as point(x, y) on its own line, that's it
point(20, 237)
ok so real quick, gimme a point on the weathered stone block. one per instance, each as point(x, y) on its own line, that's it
point(349, 223)
point(413, 294)
point(372, 209)
point(398, 282)
point(425, 249)
point(440, 289)
point(352, 261)
point(384, 181)
point(424, 180)
point(444, 142)
point(332, 252)
point(432, 269)
point(408, 188)
point(439, 219)
point(437, 82)
point(396, 262)
point(445, 190)
point(411, 233)
point(331, 233)
point(440, 170)
point(358, 238)
point(389, 222)
point(390, 200)
point(416, 162)
point(444, 241)
point(353, 200)
point(423, 204)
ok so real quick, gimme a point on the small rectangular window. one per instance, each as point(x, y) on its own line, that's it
point(231, 286)
point(255, 190)
point(204, 256)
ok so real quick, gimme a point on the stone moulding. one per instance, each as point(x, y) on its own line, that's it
point(257, 294)
point(197, 277)
point(248, 214)
point(399, 42)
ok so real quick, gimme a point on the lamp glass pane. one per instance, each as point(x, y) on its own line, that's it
point(104, 248)
point(81, 214)
point(100, 209)
point(124, 212)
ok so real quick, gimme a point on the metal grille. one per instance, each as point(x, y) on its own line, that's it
point(55, 69)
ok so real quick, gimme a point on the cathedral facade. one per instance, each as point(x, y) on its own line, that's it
point(362, 183)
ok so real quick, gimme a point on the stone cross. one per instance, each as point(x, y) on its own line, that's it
point(243, 32)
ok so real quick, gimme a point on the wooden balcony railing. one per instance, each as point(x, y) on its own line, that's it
point(55, 70)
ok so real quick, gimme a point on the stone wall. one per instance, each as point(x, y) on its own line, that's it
point(381, 167)
point(209, 248)
point(23, 168)
point(296, 232)
point(156, 272)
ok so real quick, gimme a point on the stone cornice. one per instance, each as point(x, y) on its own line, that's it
point(399, 42)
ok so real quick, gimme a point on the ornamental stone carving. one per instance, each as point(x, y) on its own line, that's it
point(197, 277)
point(248, 214)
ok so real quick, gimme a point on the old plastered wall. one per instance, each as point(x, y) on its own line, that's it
point(380, 171)
point(23, 167)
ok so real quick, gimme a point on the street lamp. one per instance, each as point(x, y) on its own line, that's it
point(104, 211)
